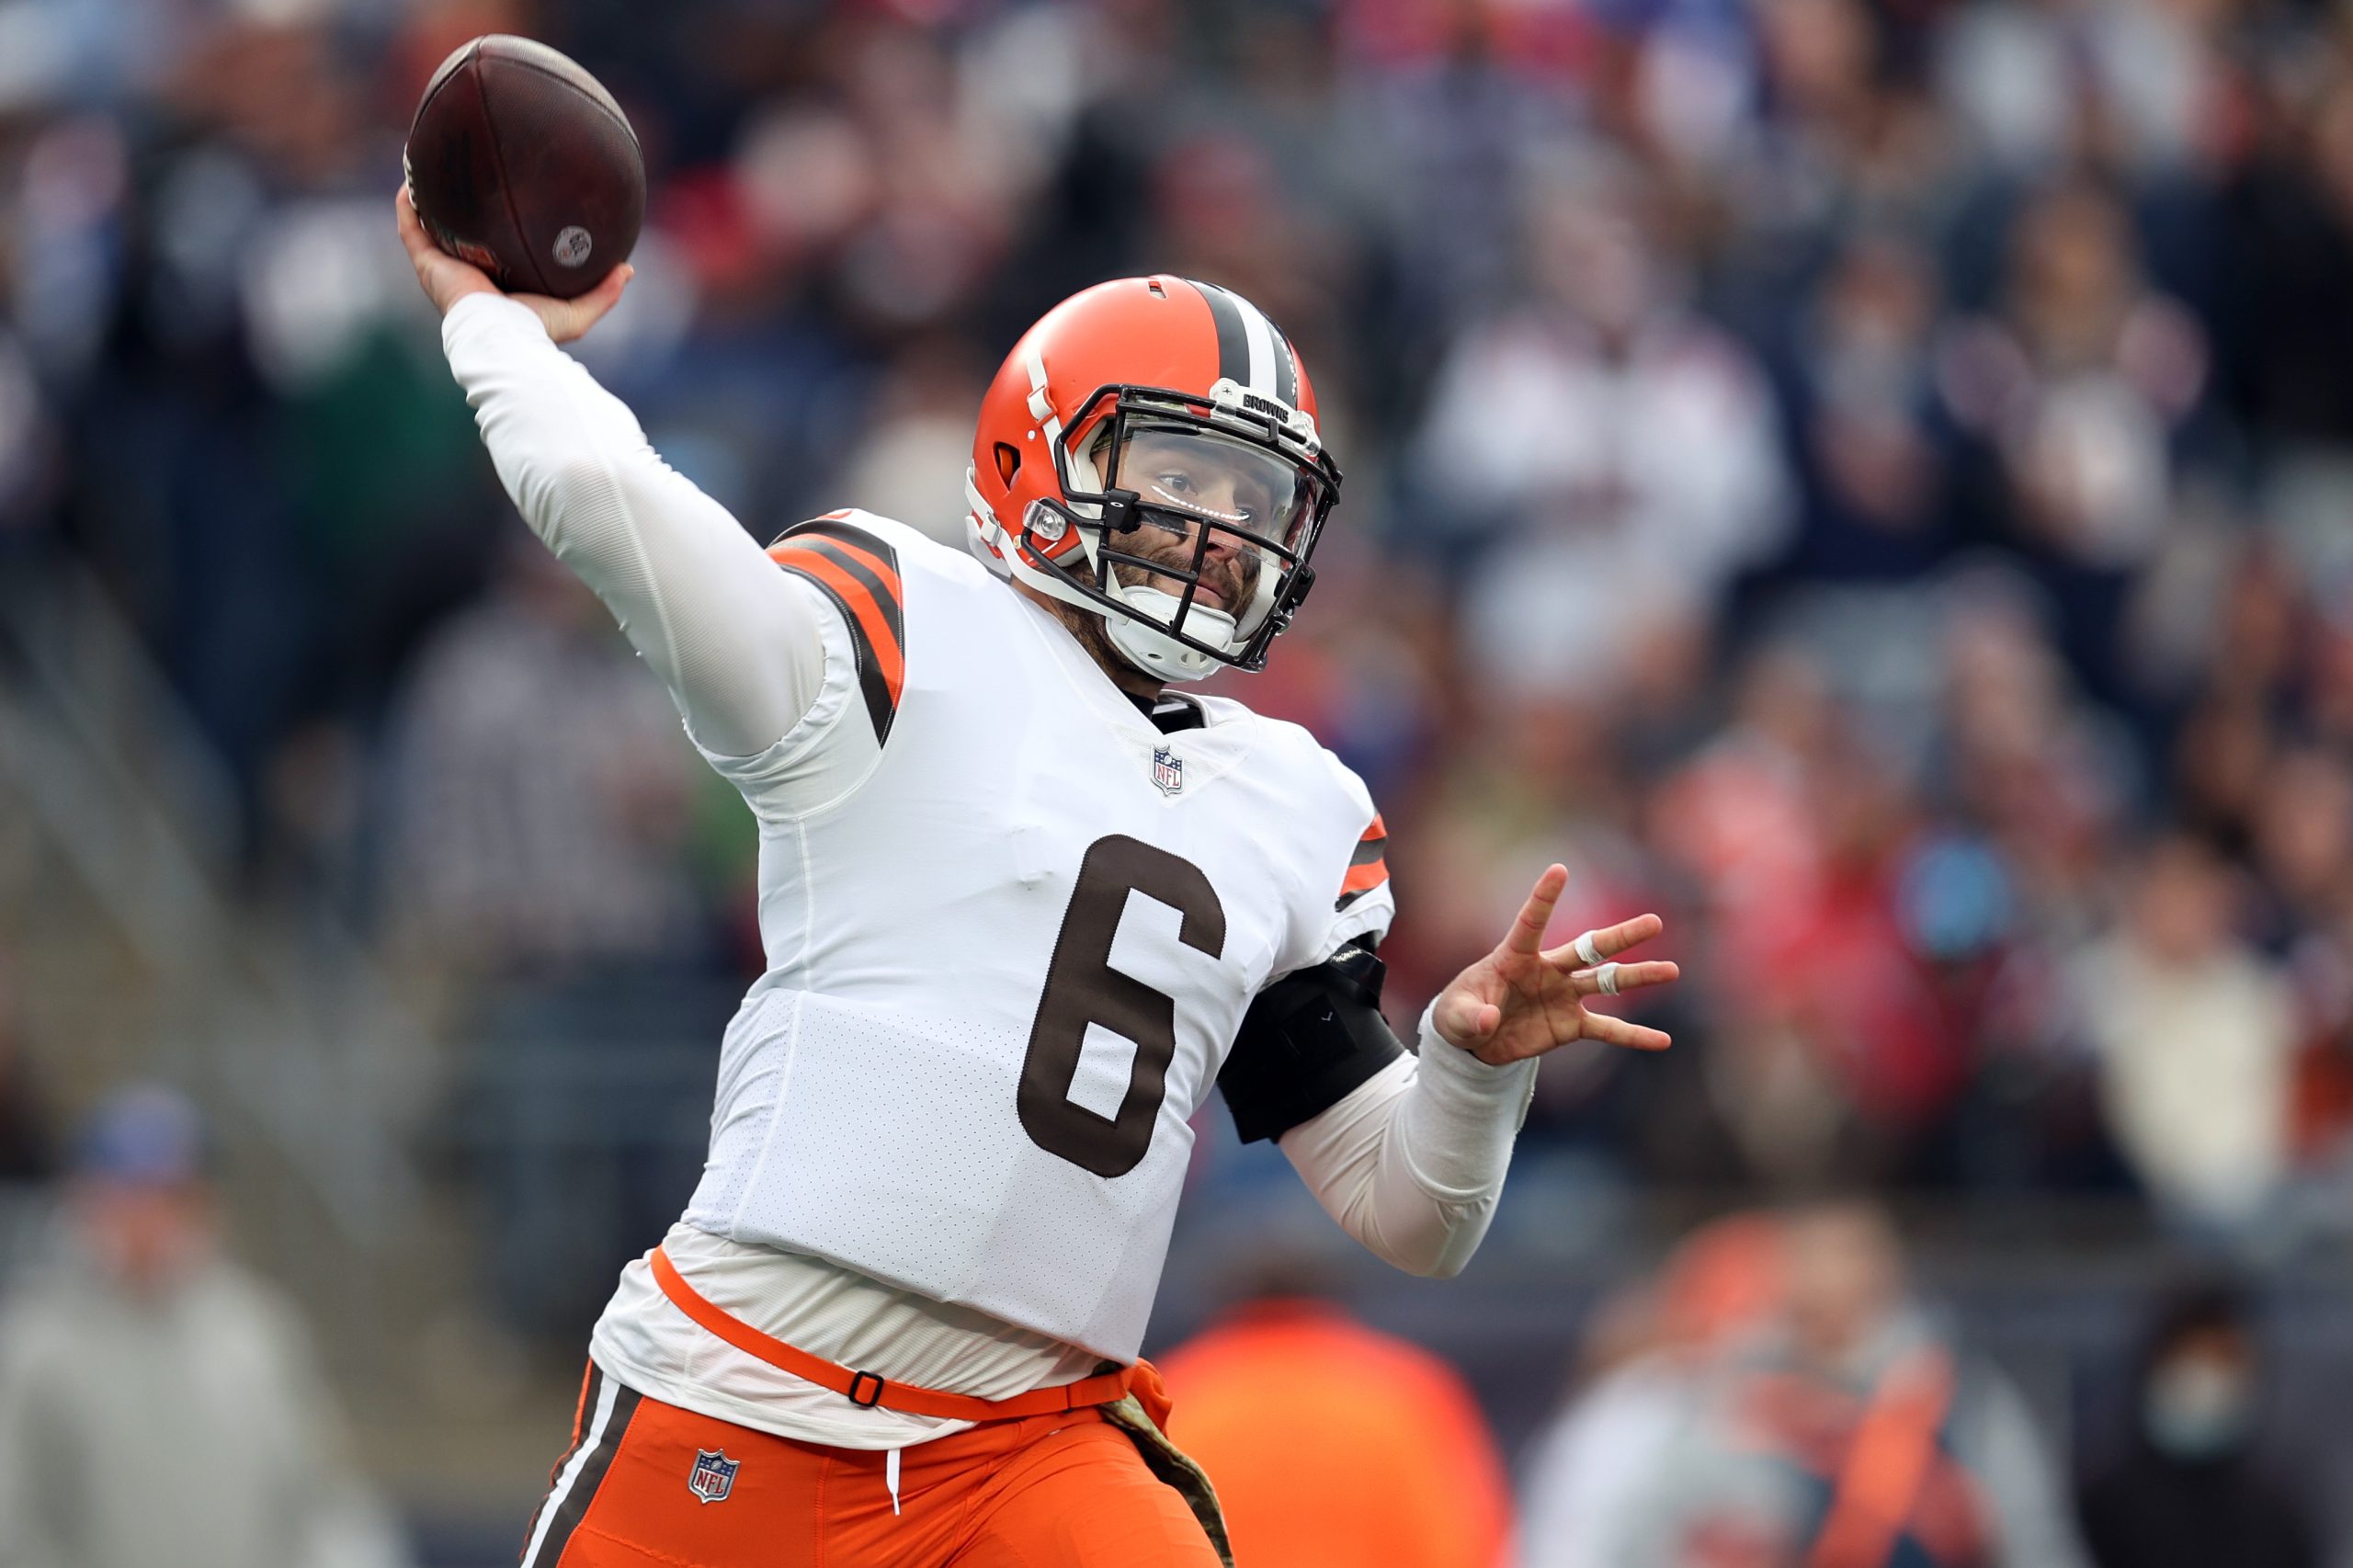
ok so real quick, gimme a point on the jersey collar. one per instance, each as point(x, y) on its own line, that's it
point(1171, 712)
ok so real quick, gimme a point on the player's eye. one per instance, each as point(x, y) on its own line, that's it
point(1178, 487)
point(1180, 484)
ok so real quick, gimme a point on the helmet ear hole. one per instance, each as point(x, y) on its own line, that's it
point(1009, 461)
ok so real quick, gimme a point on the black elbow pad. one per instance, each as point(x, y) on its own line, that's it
point(1307, 1042)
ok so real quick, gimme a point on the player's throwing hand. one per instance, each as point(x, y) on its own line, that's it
point(446, 280)
point(1520, 1001)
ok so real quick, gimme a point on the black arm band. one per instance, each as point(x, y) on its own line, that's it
point(1308, 1043)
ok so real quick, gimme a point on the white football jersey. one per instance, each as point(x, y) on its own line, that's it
point(1011, 928)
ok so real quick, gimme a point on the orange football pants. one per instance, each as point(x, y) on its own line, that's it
point(649, 1485)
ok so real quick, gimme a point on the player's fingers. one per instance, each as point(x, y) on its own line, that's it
point(568, 319)
point(413, 238)
point(1618, 1032)
point(1616, 978)
point(445, 279)
point(1591, 948)
point(1527, 934)
point(1614, 939)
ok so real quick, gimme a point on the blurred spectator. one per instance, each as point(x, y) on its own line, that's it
point(1839, 137)
point(911, 463)
point(1620, 454)
point(2196, 1036)
point(2303, 839)
point(540, 791)
point(2040, 84)
point(1648, 1358)
point(2079, 386)
point(2188, 1488)
point(1855, 948)
point(1852, 1434)
point(2021, 754)
point(1328, 1442)
point(158, 1404)
point(1873, 442)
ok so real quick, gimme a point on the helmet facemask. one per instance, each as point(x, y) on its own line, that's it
point(1194, 521)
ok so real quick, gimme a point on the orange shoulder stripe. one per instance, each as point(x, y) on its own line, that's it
point(808, 557)
point(886, 572)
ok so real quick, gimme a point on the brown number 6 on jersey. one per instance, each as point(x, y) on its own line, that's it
point(1082, 988)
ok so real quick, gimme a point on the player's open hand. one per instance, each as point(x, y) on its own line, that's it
point(1520, 1001)
point(447, 279)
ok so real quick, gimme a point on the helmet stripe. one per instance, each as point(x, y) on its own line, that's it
point(1252, 350)
point(1286, 368)
point(1261, 333)
point(1232, 337)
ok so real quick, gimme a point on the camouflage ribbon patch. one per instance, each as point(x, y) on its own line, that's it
point(1166, 1462)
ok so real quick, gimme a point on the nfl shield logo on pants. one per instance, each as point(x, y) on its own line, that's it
point(1168, 770)
point(713, 1475)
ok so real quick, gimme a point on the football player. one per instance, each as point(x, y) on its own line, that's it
point(1023, 904)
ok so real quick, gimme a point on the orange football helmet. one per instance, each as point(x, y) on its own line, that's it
point(1141, 432)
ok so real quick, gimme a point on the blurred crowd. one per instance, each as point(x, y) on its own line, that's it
point(1866, 480)
point(1780, 1391)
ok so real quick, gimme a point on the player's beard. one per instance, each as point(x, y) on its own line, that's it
point(1094, 634)
point(1235, 577)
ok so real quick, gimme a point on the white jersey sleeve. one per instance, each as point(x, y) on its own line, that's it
point(1406, 1152)
point(1412, 1162)
point(754, 657)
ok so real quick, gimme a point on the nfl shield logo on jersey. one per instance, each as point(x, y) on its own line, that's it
point(1168, 770)
point(713, 1475)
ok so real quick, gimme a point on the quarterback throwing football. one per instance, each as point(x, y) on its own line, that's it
point(1023, 904)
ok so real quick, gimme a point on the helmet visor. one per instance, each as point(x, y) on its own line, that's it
point(1236, 485)
point(1216, 515)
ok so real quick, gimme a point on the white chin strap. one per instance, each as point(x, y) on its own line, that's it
point(1155, 652)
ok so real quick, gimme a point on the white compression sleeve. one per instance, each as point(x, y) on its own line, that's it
point(1412, 1162)
point(728, 633)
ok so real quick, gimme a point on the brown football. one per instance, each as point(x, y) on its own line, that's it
point(521, 161)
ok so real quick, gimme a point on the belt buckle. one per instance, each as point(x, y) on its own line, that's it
point(870, 1400)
